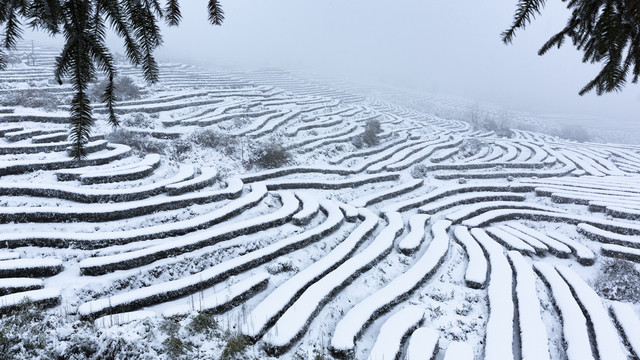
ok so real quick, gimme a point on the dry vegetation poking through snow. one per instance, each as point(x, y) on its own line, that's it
point(253, 214)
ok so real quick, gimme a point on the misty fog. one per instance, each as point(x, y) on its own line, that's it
point(441, 47)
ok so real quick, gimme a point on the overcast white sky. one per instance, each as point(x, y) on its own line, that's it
point(448, 47)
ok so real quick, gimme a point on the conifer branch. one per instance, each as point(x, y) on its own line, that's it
point(606, 31)
point(172, 12)
point(3, 60)
point(525, 13)
point(83, 26)
point(216, 15)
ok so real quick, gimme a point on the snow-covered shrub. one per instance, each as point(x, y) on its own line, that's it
point(357, 142)
point(31, 333)
point(179, 149)
point(282, 264)
point(138, 120)
point(370, 136)
point(17, 334)
point(203, 323)
point(122, 347)
point(141, 143)
point(419, 171)
point(371, 130)
point(470, 147)
point(31, 99)
point(270, 155)
point(170, 325)
point(214, 140)
point(175, 347)
point(235, 348)
point(124, 89)
point(618, 280)
point(464, 309)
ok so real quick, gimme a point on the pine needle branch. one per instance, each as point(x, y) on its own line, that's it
point(525, 13)
point(216, 15)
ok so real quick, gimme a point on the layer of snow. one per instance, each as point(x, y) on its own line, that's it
point(186, 243)
point(303, 285)
point(412, 241)
point(574, 324)
point(294, 320)
point(423, 344)
point(555, 247)
point(533, 333)
point(608, 343)
point(628, 324)
point(394, 330)
point(458, 350)
point(221, 300)
point(499, 337)
point(356, 320)
point(183, 286)
point(476, 274)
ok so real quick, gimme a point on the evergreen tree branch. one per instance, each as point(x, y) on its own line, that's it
point(172, 12)
point(526, 11)
point(12, 31)
point(83, 26)
point(216, 15)
point(605, 31)
point(3, 60)
point(45, 14)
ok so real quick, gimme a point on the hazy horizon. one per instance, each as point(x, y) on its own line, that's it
point(440, 48)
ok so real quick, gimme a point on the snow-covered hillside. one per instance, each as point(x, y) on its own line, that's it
point(254, 215)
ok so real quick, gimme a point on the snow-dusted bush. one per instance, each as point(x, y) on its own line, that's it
point(281, 264)
point(175, 347)
point(138, 120)
point(470, 147)
point(204, 323)
point(124, 89)
point(270, 155)
point(32, 99)
point(208, 138)
point(370, 135)
point(30, 333)
point(419, 171)
point(141, 143)
point(371, 130)
point(235, 348)
point(618, 280)
point(179, 149)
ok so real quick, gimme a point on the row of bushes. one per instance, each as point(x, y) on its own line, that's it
point(30, 333)
point(125, 89)
point(268, 154)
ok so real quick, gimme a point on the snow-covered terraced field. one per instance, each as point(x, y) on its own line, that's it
point(435, 239)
